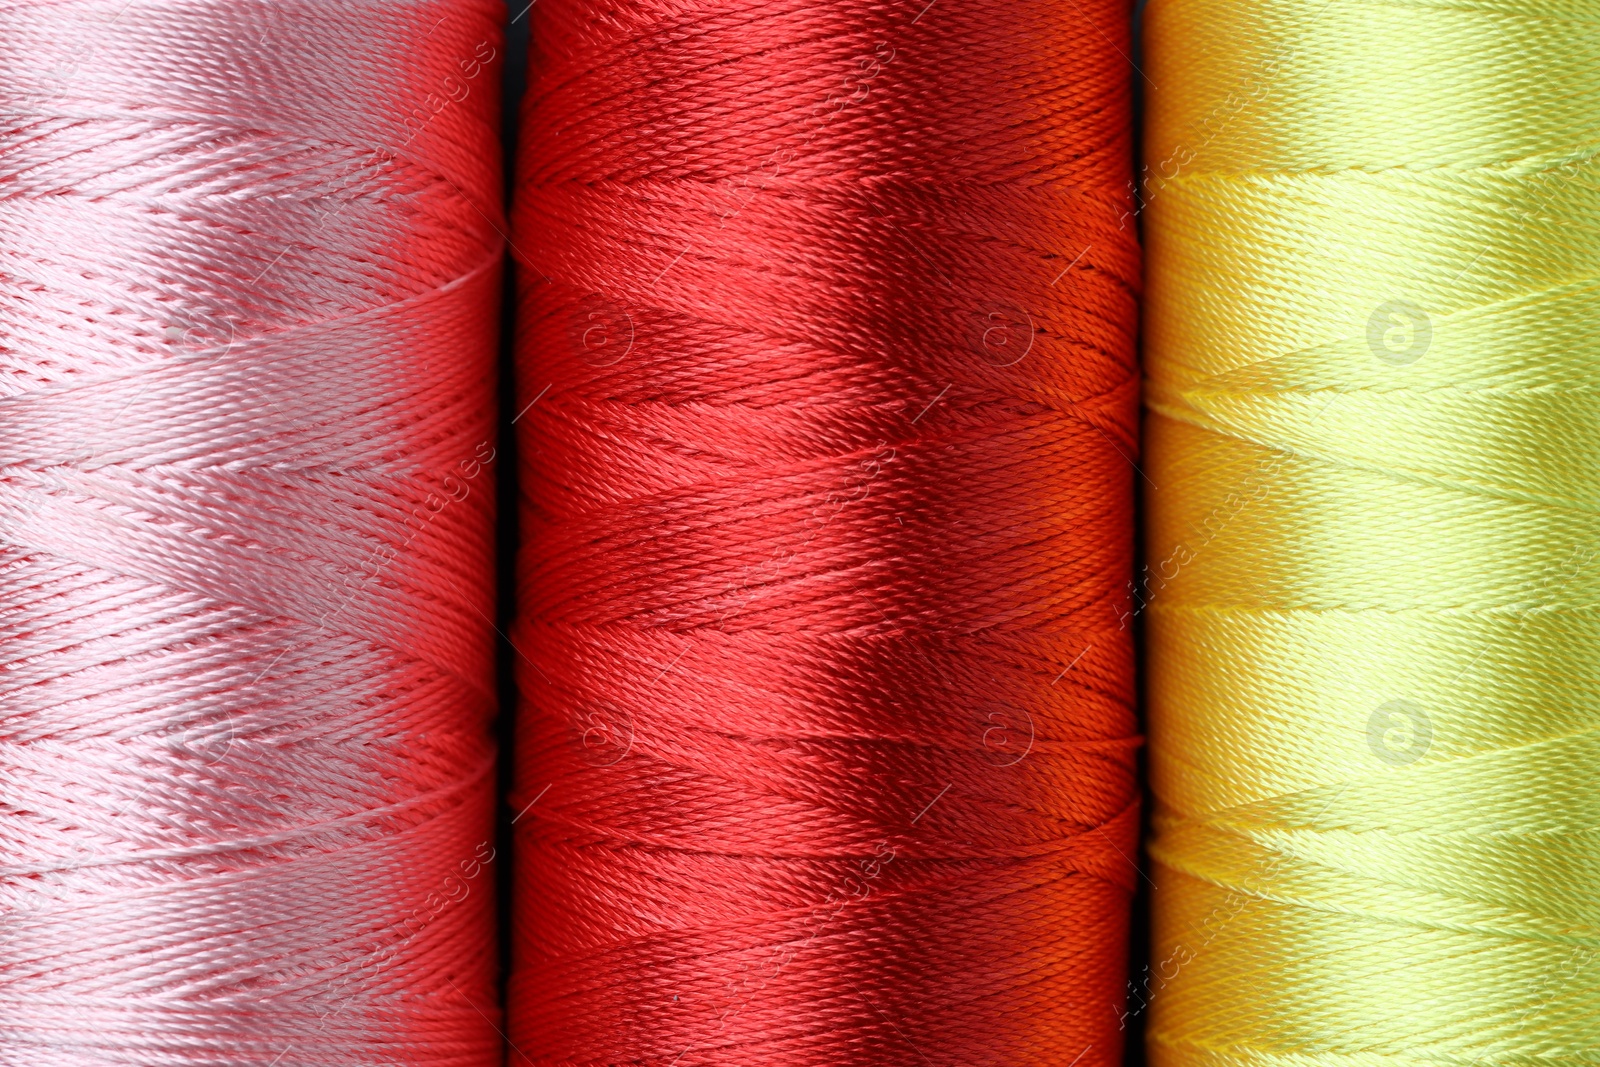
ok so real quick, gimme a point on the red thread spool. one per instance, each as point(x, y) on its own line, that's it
point(826, 359)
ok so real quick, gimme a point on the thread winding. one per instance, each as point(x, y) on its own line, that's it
point(828, 405)
point(1373, 600)
point(248, 260)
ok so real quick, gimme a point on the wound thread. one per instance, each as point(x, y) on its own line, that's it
point(827, 395)
point(1372, 672)
point(248, 277)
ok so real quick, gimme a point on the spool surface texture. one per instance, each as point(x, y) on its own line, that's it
point(1374, 297)
point(248, 274)
point(826, 751)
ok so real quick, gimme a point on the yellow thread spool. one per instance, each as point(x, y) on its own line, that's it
point(1373, 603)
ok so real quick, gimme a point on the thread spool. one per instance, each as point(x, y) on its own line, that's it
point(1371, 686)
point(248, 266)
point(827, 390)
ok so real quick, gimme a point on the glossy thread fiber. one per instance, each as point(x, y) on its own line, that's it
point(826, 375)
point(247, 283)
point(1374, 595)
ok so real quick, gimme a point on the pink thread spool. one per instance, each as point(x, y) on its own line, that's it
point(249, 259)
